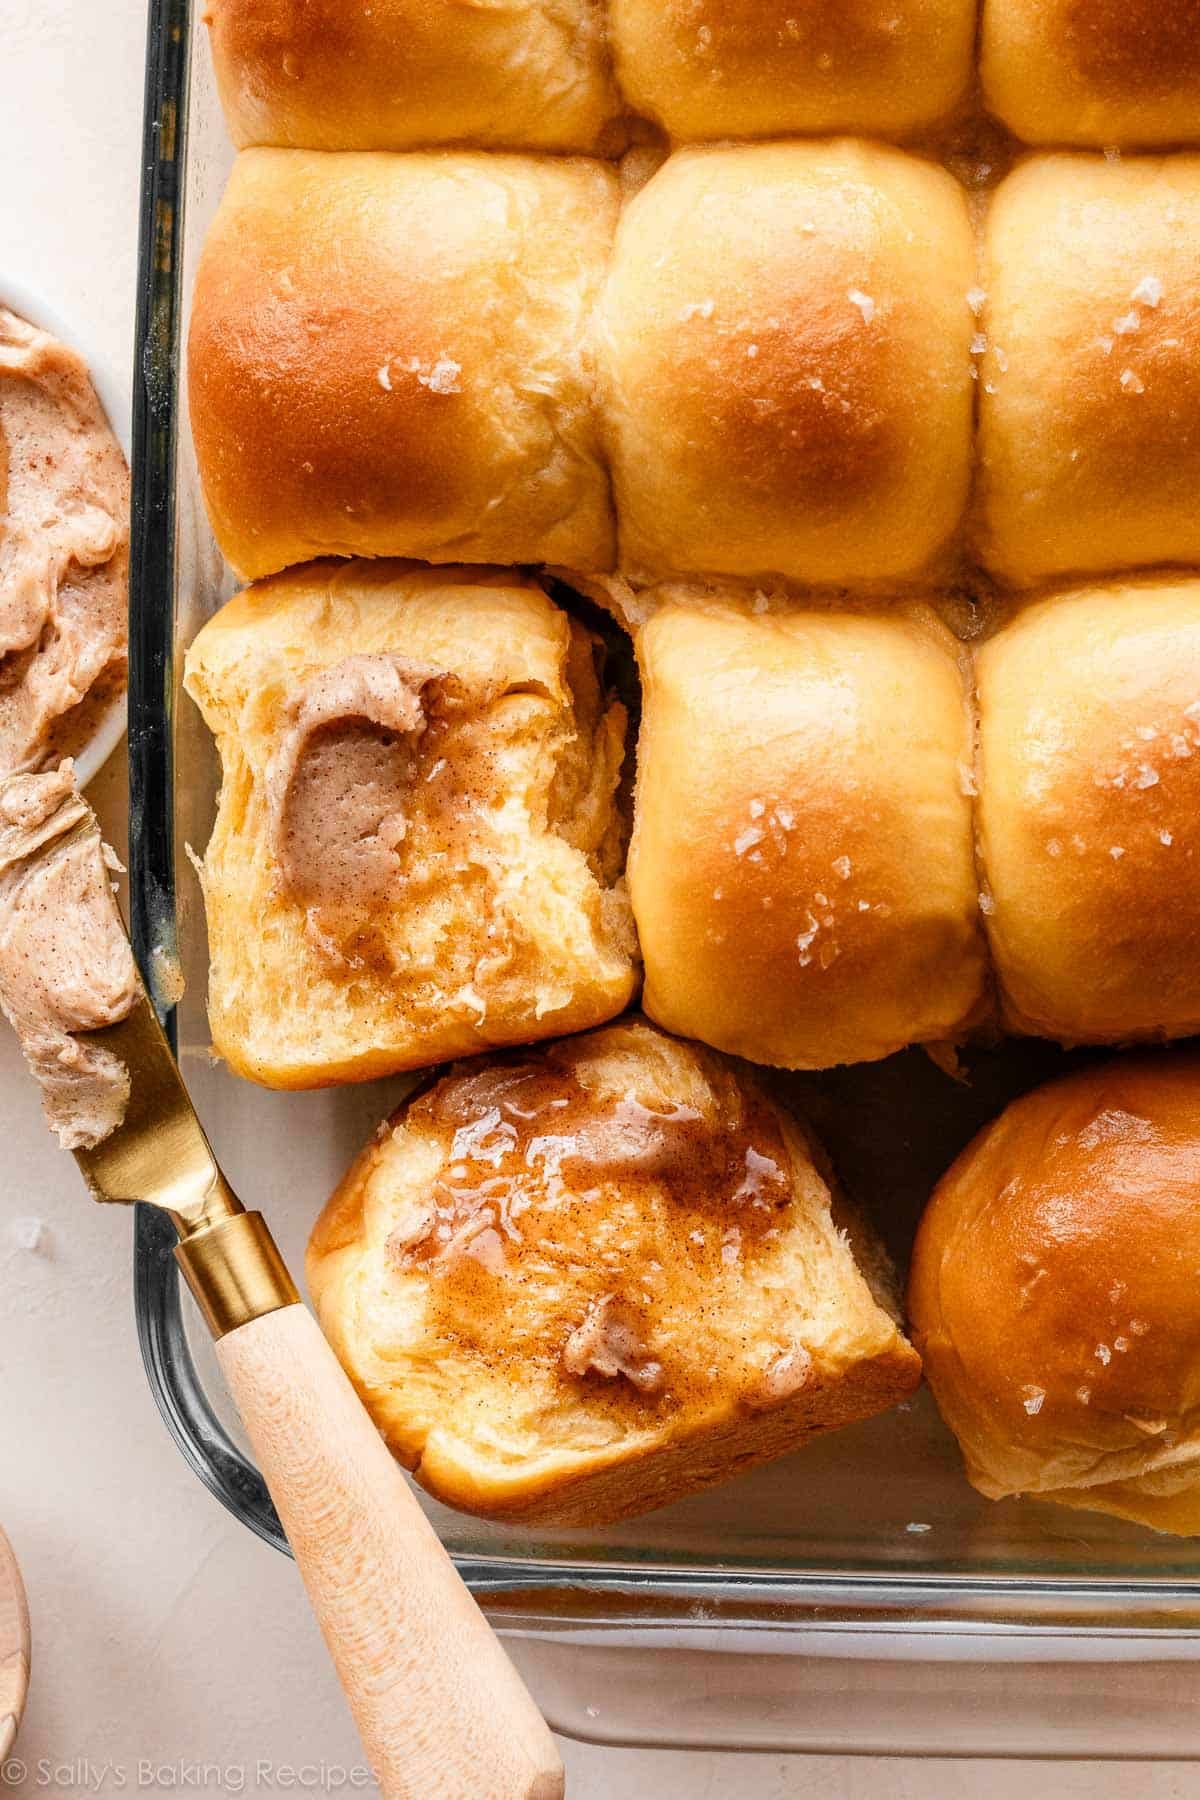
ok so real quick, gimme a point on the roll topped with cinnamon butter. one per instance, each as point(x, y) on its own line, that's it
point(577, 1282)
point(418, 842)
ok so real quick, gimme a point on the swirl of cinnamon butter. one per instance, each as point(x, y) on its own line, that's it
point(65, 962)
point(339, 786)
point(64, 549)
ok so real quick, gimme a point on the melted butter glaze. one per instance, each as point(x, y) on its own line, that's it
point(600, 1210)
point(523, 1140)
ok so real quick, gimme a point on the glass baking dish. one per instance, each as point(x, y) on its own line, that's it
point(859, 1596)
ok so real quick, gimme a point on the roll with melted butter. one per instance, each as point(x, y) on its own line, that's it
point(418, 845)
point(576, 1283)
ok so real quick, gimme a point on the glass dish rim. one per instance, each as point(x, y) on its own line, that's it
point(533, 1591)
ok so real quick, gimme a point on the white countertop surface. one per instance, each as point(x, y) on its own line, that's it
point(165, 1636)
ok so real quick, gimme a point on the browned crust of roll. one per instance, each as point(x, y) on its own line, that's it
point(388, 356)
point(1053, 1294)
point(406, 74)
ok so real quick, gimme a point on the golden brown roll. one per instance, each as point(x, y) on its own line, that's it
point(1094, 71)
point(754, 68)
point(579, 1283)
point(399, 74)
point(1053, 1295)
point(387, 358)
point(1090, 401)
point(417, 846)
point(1089, 812)
point(802, 869)
point(784, 341)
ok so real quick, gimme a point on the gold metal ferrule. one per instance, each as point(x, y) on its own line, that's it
point(235, 1271)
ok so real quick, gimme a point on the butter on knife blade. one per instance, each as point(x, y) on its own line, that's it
point(111, 1089)
point(407, 1639)
point(65, 962)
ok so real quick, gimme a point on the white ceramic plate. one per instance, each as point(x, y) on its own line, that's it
point(14, 1647)
point(20, 298)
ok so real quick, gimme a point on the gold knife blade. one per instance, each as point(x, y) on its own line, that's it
point(160, 1154)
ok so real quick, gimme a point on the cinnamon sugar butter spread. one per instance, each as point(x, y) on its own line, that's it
point(64, 550)
point(339, 783)
point(65, 962)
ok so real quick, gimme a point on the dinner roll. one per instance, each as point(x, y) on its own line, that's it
point(387, 358)
point(801, 870)
point(397, 74)
point(1094, 71)
point(1090, 386)
point(1089, 812)
point(752, 68)
point(1053, 1295)
point(417, 846)
point(578, 1283)
point(784, 339)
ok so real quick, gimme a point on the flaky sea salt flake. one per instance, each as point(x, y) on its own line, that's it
point(443, 377)
point(806, 938)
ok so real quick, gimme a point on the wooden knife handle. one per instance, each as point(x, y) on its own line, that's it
point(442, 1713)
